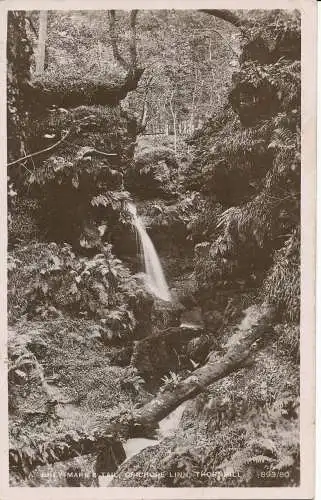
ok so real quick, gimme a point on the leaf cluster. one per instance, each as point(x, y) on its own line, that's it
point(48, 280)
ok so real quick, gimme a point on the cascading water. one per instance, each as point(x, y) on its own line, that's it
point(167, 428)
point(155, 279)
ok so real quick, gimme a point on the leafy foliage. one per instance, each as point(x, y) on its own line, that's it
point(153, 174)
point(250, 164)
point(47, 280)
point(63, 412)
point(169, 381)
point(282, 285)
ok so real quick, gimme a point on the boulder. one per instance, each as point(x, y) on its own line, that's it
point(156, 355)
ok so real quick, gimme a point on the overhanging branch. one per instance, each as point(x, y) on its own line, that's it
point(37, 153)
point(226, 15)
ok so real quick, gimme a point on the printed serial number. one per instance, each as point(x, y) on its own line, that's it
point(274, 473)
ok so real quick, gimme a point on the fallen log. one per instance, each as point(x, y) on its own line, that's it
point(258, 323)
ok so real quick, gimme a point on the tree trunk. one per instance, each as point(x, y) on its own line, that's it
point(175, 132)
point(41, 49)
point(142, 124)
point(19, 52)
point(191, 121)
point(173, 113)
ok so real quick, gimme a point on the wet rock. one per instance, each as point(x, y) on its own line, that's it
point(193, 317)
point(121, 357)
point(213, 320)
point(198, 348)
point(158, 354)
point(202, 249)
point(110, 458)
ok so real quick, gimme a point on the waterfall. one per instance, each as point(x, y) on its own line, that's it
point(155, 279)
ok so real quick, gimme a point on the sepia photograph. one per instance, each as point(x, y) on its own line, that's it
point(154, 264)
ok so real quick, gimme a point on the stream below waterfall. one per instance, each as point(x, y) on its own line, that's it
point(167, 428)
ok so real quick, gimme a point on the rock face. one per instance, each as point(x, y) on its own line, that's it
point(159, 354)
point(198, 348)
point(110, 458)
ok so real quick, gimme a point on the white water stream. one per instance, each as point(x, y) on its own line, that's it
point(154, 274)
point(167, 427)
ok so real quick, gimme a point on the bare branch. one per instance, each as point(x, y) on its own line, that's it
point(227, 43)
point(37, 153)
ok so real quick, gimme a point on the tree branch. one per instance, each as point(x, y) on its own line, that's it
point(37, 153)
point(226, 15)
point(227, 43)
